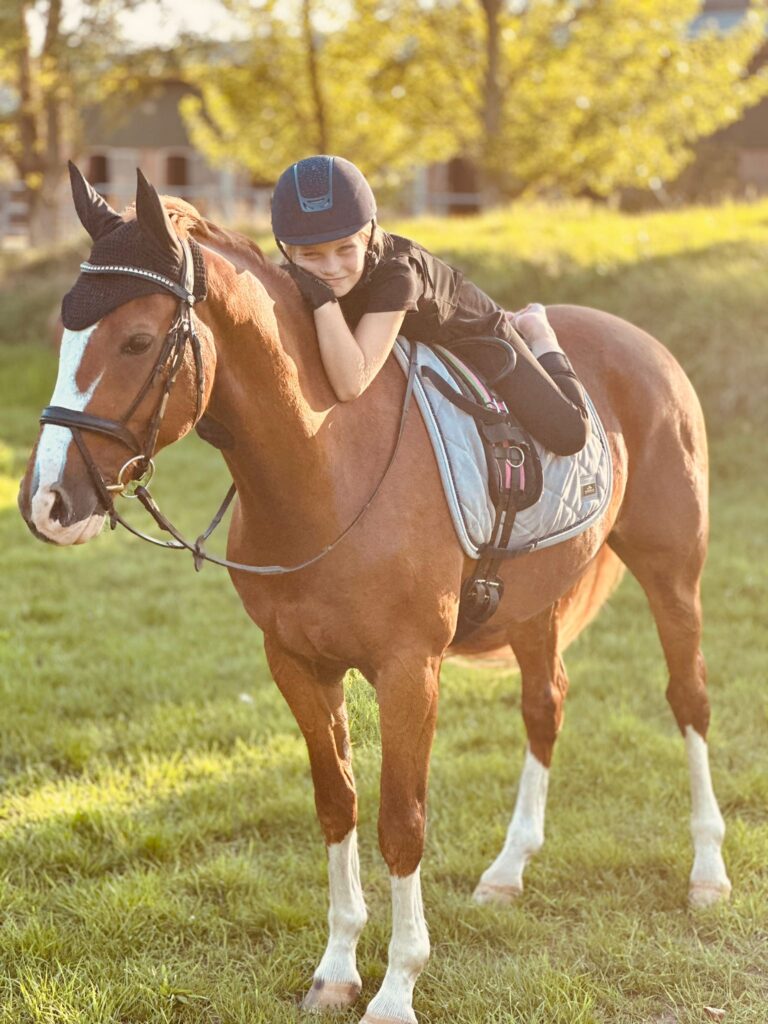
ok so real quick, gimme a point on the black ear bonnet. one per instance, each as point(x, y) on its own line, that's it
point(149, 242)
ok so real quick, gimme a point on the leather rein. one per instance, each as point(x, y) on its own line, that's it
point(167, 366)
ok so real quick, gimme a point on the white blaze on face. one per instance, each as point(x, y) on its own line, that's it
point(54, 445)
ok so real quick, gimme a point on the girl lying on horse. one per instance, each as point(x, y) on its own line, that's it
point(367, 286)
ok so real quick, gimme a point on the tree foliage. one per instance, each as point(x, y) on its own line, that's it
point(562, 96)
point(616, 92)
point(557, 96)
point(362, 80)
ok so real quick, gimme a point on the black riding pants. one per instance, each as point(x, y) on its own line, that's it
point(544, 394)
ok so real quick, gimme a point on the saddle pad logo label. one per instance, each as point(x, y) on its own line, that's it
point(589, 489)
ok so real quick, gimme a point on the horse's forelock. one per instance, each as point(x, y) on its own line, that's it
point(239, 249)
point(184, 216)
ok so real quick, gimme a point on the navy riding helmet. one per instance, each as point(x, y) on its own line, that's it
point(320, 199)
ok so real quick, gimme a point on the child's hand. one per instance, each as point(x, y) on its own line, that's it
point(315, 291)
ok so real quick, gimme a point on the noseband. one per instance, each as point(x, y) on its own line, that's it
point(167, 365)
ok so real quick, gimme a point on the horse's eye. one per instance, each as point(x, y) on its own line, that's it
point(137, 344)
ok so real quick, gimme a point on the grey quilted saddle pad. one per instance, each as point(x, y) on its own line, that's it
point(576, 488)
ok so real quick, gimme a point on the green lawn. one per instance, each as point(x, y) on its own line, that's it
point(159, 855)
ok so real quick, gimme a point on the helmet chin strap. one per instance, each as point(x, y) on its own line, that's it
point(371, 256)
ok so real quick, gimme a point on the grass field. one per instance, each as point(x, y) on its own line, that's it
point(159, 855)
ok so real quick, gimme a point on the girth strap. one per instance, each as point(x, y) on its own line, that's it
point(510, 446)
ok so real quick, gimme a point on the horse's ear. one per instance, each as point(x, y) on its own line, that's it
point(96, 215)
point(152, 216)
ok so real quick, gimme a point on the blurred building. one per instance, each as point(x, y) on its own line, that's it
point(150, 133)
point(451, 188)
point(735, 159)
point(145, 131)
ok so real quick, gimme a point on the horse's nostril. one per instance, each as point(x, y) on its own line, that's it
point(61, 510)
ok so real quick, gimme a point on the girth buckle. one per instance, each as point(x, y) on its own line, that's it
point(480, 598)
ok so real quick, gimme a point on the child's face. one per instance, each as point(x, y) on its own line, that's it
point(339, 263)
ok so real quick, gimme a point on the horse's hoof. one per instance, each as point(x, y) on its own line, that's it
point(708, 894)
point(501, 894)
point(330, 995)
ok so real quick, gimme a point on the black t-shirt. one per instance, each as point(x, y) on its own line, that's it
point(440, 306)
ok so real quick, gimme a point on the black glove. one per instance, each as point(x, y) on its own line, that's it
point(315, 291)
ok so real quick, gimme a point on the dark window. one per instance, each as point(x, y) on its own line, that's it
point(463, 185)
point(177, 170)
point(98, 169)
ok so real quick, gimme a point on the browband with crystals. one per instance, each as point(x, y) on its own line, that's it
point(148, 275)
point(184, 292)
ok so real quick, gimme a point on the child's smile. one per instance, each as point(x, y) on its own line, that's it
point(339, 264)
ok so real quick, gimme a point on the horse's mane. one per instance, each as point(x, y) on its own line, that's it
point(240, 250)
point(245, 255)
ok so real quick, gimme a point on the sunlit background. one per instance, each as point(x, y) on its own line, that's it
point(450, 106)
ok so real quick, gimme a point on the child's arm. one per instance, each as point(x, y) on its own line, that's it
point(353, 360)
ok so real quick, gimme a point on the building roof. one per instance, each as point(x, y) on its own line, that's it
point(725, 5)
point(150, 119)
point(721, 14)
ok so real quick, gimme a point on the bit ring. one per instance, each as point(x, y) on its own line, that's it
point(122, 486)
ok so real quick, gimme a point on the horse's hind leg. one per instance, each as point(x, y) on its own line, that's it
point(316, 698)
point(544, 686)
point(668, 566)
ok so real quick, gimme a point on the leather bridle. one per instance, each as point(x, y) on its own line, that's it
point(168, 363)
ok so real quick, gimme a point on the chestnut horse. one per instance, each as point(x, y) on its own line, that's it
point(385, 598)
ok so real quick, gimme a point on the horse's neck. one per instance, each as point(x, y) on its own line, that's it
point(271, 393)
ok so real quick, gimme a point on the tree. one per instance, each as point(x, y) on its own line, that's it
point(610, 93)
point(48, 84)
point(30, 132)
point(561, 96)
point(363, 81)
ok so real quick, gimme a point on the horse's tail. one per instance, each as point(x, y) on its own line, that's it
point(578, 607)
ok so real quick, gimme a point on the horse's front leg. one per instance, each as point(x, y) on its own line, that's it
point(316, 698)
point(407, 694)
